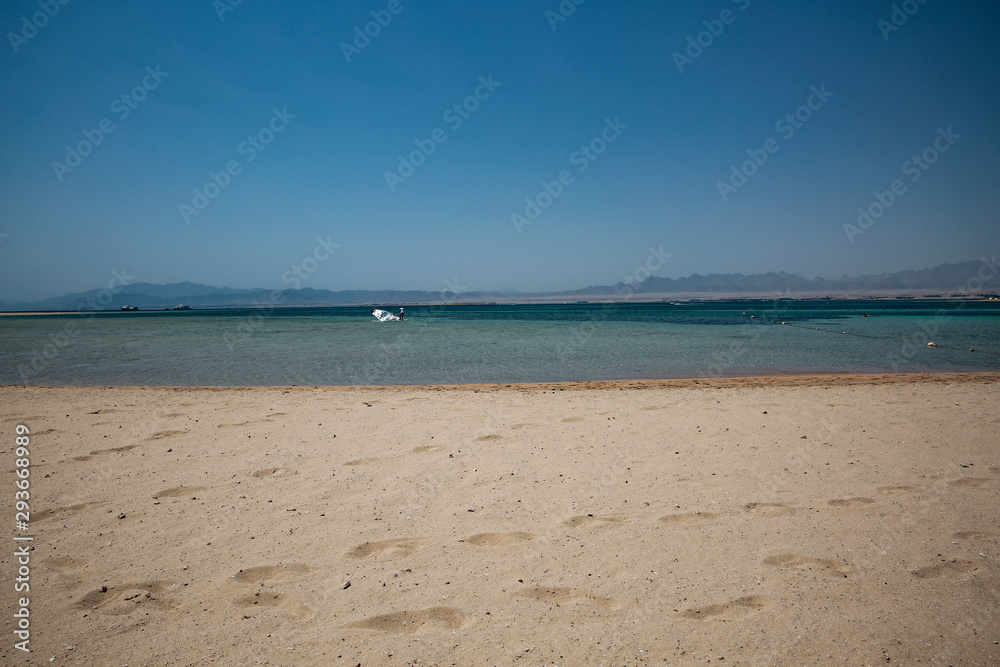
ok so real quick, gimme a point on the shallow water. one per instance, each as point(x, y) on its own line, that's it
point(497, 343)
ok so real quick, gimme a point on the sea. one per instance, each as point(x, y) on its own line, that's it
point(499, 343)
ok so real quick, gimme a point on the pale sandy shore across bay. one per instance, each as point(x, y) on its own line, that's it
point(786, 520)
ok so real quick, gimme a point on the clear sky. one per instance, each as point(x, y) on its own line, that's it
point(151, 98)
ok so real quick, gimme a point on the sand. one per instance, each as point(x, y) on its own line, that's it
point(820, 520)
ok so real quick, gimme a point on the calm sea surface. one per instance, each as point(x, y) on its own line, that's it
point(497, 343)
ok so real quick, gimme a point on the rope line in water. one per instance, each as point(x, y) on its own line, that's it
point(860, 335)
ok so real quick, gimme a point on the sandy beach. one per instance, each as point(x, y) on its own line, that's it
point(780, 520)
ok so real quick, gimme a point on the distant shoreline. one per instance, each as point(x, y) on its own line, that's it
point(677, 299)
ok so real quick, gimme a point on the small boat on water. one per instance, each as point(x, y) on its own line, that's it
point(384, 315)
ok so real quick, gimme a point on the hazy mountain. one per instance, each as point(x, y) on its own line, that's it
point(147, 296)
point(945, 278)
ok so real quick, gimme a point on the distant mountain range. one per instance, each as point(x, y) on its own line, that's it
point(950, 278)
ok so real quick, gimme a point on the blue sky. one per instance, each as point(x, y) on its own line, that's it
point(552, 91)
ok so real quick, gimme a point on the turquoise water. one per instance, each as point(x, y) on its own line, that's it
point(497, 343)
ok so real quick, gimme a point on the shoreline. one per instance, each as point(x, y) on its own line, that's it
point(790, 379)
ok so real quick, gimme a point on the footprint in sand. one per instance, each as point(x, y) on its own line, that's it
point(500, 539)
point(969, 482)
point(850, 502)
point(770, 509)
point(273, 472)
point(972, 535)
point(488, 438)
point(581, 520)
point(65, 564)
point(728, 611)
point(946, 569)
point(270, 574)
point(799, 561)
point(689, 518)
point(114, 450)
point(362, 462)
point(897, 489)
point(35, 434)
point(164, 434)
point(177, 491)
point(560, 595)
point(421, 449)
point(253, 421)
point(396, 547)
point(49, 513)
point(129, 598)
point(82, 458)
point(287, 604)
point(573, 419)
point(412, 622)
point(273, 573)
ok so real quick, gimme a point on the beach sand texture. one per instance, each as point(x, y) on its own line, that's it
point(850, 520)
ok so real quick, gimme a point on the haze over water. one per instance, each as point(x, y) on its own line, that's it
point(498, 343)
